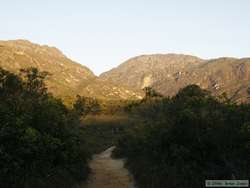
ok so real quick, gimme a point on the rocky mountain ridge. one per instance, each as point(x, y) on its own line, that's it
point(166, 73)
point(169, 72)
point(67, 78)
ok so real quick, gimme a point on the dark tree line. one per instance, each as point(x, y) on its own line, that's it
point(40, 142)
point(86, 105)
point(187, 139)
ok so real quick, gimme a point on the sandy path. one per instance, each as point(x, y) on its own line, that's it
point(108, 172)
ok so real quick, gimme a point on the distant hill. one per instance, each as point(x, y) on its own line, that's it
point(166, 73)
point(67, 78)
point(170, 72)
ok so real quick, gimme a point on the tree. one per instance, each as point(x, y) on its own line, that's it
point(40, 140)
point(86, 105)
point(189, 138)
point(192, 91)
point(150, 93)
point(34, 81)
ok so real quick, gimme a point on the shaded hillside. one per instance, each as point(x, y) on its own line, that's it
point(168, 73)
point(67, 78)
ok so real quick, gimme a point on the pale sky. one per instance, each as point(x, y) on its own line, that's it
point(102, 34)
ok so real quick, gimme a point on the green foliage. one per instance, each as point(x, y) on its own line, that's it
point(150, 93)
point(168, 142)
point(40, 140)
point(86, 105)
point(186, 140)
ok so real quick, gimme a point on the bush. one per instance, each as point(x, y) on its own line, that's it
point(40, 141)
point(192, 137)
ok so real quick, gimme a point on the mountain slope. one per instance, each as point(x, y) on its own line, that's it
point(145, 70)
point(67, 78)
point(168, 73)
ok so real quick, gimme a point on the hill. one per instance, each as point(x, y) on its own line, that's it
point(170, 72)
point(67, 78)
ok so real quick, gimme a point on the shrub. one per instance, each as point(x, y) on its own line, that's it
point(40, 141)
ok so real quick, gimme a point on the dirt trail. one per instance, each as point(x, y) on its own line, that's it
point(108, 172)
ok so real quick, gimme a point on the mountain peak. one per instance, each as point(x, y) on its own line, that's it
point(145, 70)
point(68, 78)
point(27, 46)
point(167, 73)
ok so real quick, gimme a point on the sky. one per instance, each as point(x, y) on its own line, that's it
point(103, 34)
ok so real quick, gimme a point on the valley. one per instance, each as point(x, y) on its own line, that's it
point(166, 73)
point(155, 121)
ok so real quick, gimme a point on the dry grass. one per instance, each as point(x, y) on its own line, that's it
point(105, 119)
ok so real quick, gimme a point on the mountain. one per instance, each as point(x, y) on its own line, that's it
point(67, 78)
point(166, 73)
point(170, 72)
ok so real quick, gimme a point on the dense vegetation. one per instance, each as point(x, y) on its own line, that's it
point(40, 139)
point(168, 142)
point(187, 139)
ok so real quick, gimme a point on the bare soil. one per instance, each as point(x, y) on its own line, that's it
point(108, 172)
